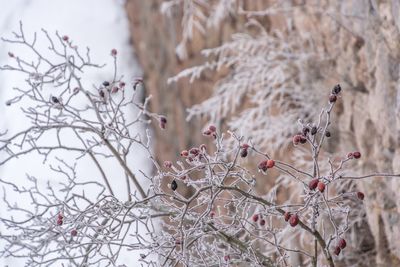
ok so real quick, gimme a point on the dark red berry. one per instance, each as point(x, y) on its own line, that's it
point(270, 163)
point(337, 251)
point(313, 184)
point(65, 38)
point(227, 258)
point(10, 54)
point(114, 89)
point(321, 187)
point(207, 132)
point(332, 98)
point(122, 84)
point(163, 119)
point(303, 140)
point(174, 185)
point(356, 155)
point(328, 134)
point(262, 222)
point(245, 146)
point(255, 217)
point(350, 155)
point(336, 90)
point(243, 153)
point(294, 220)
point(60, 216)
point(342, 243)
point(184, 153)
point(55, 100)
point(287, 216)
point(212, 214)
point(74, 232)
point(360, 195)
point(296, 139)
point(305, 131)
point(113, 52)
point(194, 151)
point(263, 166)
point(59, 222)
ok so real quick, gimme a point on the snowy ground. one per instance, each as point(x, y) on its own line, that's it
point(98, 24)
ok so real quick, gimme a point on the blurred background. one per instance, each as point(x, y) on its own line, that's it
point(275, 62)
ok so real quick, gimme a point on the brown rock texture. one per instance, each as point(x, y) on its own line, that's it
point(362, 39)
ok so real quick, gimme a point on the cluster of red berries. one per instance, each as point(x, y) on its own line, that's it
point(211, 131)
point(293, 219)
point(316, 183)
point(256, 218)
point(354, 155)
point(60, 219)
point(341, 245)
point(266, 164)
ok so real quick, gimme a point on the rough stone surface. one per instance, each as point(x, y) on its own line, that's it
point(362, 37)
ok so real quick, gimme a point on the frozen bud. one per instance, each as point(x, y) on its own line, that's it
point(212, 128)
point(321, 187)
point(65, 38)
point(255, 217)
point(74, 232)
point(337, 251)
point(313, 184)
point(336, 90)
point(287, 216)
point(174, 185)
point(167, 164)
point(314, 130)
point(114, 52)
point(360, 195)
point(332, 98)
point(184, 153)
point(294, 220)
point(303, 139)
point(10, 54)
point(356, 155)
point(270, 163)
point(342, 243)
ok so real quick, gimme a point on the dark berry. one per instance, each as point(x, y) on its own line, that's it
point(342, 243)
point(328, 134)
point(184, 153)
point(212, 128)
point(243, 153)
point(255, 217)
point(356, 155)
point(336, 90)
point(314, 130)
point(313, 184)
point(305, 130)
point(262, 222)
point(337, 251)
point(270, 163)
point(105, 83)
point(65, 38)
point(294, 220)
point(174, 185)
point(360, 195)
point(287, 216)
point(55, 100)
point(263, 166)
point(207, 132)
point(113, 52)
point(74, 232)
point(10, 54)
point(332, 98)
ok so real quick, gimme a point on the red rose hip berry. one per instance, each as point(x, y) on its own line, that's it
point(294, 220)
point(342, 243)
point(313, 184)
point(321, 187)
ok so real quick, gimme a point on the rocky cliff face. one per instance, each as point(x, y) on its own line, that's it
point(362, 40)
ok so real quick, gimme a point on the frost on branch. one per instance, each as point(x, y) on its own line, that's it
point(203, 210)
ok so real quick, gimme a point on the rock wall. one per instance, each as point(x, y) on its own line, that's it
point(361, 37)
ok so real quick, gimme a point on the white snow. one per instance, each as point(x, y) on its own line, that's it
point(98, 24)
